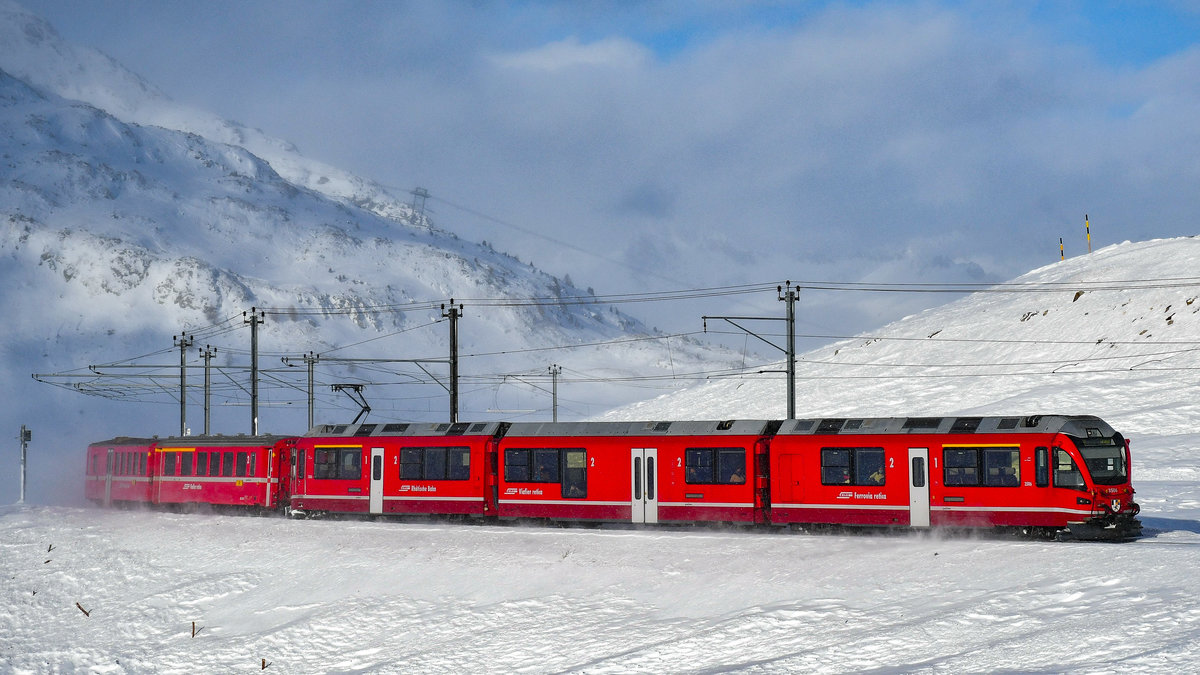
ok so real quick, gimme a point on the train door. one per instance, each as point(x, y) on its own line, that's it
point(918, 487)
point(376, 480)
point(269, 454)
point(644, 475)
point(108, 471)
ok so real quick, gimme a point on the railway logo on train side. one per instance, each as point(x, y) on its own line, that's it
point(522, 491)
point(418, 488)
point(851, 494)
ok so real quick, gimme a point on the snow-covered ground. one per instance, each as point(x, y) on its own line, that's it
point(353, 596)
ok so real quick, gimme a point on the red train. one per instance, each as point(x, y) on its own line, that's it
point(1046, 475)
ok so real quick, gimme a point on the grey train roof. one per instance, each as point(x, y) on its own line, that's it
point(234, 441)
point(408, 429)
point(686, 428)
point(1082, 426)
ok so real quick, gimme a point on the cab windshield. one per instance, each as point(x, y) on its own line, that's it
point(1105, 464)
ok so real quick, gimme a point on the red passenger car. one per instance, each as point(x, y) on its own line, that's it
point(396, 469)
point(640, 472)
point(118, 471)
point(220, 470)
point(1039, 473)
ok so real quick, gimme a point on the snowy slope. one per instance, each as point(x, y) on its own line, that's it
point(34, 52)
point(1079, 336)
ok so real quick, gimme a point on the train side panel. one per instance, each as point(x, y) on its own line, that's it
point(394, 469)
point(118, 471)
point(222, 471)
point(830, 480)
point(633, 472)
point(1022, 472)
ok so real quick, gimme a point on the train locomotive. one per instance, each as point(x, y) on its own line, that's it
point(1048, 475)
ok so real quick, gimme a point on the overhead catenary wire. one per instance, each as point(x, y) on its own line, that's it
point(127, 387)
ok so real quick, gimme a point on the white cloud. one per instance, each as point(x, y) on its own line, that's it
point(571, 53)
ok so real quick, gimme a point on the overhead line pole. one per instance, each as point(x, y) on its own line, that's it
point(790, 298)
point(26, 436)
point(554, 371)
point(254, 317)
point(453, 314)
point(207, 354)
point(183, 342)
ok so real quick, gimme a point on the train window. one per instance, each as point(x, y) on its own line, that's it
point(227, 464)
point(990, 467)
point(1066, 474)
point(214, 464)
point(731, 466)
point(699, 467)
point(168, 464)
point(961, 466)
point(458, 463)
point(538, 465)
point(1041, 468)
point(1106, 465)
point(201, 463)
point(852, 466)
point(300, 463)
point(412, 462)
point(918, 472)
point(350, 464)
point(338, 463)
point(435, 463)
point(868, 467)
point(715, 466)
point(1002, 466)
point(545, 466)
point(142, 471)
point(185, 463)
point(574, 481)
point(516, 466)
point(243, 458)
point(250, 470)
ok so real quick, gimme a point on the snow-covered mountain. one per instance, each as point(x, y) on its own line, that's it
point(34, 52)
point(126, 219)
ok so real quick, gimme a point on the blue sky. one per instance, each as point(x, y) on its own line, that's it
point(709, 143)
